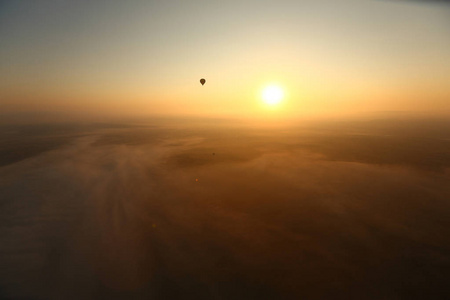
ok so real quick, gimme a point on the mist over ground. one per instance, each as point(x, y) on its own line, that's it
point(174, 209)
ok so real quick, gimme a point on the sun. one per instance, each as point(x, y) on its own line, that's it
point(272, 95)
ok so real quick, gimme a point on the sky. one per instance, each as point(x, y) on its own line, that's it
point(146, 57)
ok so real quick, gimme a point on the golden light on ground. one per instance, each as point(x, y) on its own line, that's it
point(272, 95)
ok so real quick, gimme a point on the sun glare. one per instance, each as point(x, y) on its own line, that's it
point(272, 95)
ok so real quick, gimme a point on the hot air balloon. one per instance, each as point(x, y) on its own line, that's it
point(202, 81)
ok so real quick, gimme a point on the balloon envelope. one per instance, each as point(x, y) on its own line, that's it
point(202, 81)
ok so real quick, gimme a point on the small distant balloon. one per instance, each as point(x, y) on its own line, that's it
point(202, 81)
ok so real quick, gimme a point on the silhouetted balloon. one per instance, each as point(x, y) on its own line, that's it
point(202, 81)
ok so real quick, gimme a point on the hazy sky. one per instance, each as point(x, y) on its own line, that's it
point(148, 56)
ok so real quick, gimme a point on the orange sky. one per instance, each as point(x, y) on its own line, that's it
point(146, 57)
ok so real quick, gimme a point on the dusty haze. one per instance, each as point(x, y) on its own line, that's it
point(221, 209)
